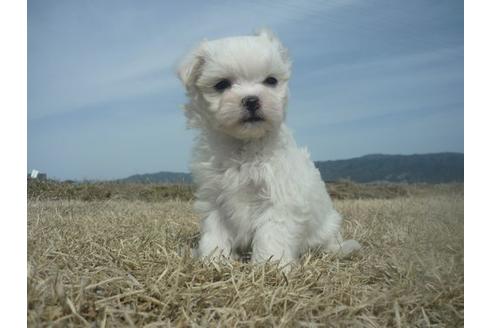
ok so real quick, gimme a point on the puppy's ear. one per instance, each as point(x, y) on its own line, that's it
point(267, 34)
point(270, 36)
point(189, 69)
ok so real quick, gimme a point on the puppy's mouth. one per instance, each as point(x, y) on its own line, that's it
point(253, 119)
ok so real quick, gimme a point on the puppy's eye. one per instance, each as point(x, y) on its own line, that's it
point(222, 85)
point(270, 81)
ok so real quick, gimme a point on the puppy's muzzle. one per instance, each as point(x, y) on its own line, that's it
point(251, 104)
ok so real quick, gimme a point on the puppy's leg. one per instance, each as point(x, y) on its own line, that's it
point(215, 240)
point(328, 237)
point(274, 241)
point(341, 247)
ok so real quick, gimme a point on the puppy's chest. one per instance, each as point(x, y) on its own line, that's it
point(244, 189)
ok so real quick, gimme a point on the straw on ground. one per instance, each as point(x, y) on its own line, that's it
point(119, 263)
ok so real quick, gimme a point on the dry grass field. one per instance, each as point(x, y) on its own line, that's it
point(125, 262)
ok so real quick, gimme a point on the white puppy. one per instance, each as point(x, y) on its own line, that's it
point(256, 189)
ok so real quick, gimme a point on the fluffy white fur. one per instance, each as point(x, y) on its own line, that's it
point(256, 188)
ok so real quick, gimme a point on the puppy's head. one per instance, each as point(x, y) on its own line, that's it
point(237, 85)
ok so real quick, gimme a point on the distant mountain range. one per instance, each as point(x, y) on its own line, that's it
point(165, 177)
point(429, 168)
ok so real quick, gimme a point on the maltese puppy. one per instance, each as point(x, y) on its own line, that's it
point(257, 190)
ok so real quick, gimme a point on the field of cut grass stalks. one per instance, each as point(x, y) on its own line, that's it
point(125, 261)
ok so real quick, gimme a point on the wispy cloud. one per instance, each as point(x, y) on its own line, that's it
point(141, 61)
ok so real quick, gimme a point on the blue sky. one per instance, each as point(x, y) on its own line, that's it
point(368, 77)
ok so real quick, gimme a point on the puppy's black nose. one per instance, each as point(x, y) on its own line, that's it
point(251, 103)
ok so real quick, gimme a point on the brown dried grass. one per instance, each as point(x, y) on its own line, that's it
point(120, 263)
point(152, 192)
